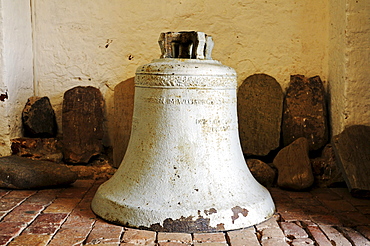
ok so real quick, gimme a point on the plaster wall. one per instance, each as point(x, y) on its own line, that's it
point(349, 63)
point(16, 67)
point(101, 43)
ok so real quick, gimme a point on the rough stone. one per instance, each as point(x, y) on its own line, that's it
point(45, 149)
point(38, 118)
point(352, 149)
point(325, 169)
point(123, 111)
point(260, 105)
point(262, 172)
point(22, 173)
point(97, 169)
point(305, 112)
point(82, 122)
point(294, 167)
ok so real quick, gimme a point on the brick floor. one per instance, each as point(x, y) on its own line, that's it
point(62, 216)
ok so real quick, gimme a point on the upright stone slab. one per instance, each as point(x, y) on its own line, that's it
point(260, 105)
point(82, 121)
point(38, 118)
point(352, 149)
point(294, 167)
point(123, 110)
point(305, 112)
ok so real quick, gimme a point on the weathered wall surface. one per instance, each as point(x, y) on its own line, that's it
point(349, 63)
point(16, 70)
point(100, 43)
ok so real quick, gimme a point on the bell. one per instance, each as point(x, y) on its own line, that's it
point(184, 170)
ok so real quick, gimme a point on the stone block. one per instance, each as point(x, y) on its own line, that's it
point(262, 172)
point(304, 112)
point(22, 173)
point(294, 167)
point(38, 118)
point(82, 123)
point(123, 111)
point(260, 105)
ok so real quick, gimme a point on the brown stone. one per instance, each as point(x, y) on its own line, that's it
point(123, 111)
point(260, 105)
point(45, 149)
point(294, 167)
point(38, 118)
point(82, 121)
point(305, 112)
point(325, 169)
point(352, 149)
point(22, 173)
point(262, 172)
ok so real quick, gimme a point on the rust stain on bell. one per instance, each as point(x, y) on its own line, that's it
point(184, 170)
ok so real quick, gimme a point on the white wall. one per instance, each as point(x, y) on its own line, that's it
point(100, 43)
point(349, 66)
point(16, 69)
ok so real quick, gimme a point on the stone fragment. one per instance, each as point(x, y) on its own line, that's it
point(123, 111)
point(82, 122)
point(325, 169)
point(352, 149)
point(38, 118)
point(44, 149)
point(100, 168)
point(22, 173)
point(262, 172)
point(305, 112)
point(260, 105)
point(294, 167)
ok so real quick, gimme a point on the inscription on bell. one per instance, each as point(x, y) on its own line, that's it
point(184, 101)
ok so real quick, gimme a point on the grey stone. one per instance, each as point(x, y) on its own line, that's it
point(22, 173)
point(305, 112)
point(262, 172)
point(260, 105)
point(82, 123)
point(294, 167)
point(352, 149)
point(123, 111)
point(47, 149)
point(38, 118)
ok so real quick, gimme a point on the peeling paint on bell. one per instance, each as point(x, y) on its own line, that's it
point(184, 170)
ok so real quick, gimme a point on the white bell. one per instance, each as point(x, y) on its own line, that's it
point(184, 170)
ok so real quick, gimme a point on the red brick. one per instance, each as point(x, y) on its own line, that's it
point(325, 194)
point(274, 242)
point(183, 238)
point(210, 244)
point(325, 219)
point(24, 213)
point(11, 228)
point(364, 230)
point(7, 204)
point(20, 194)
point(29, 239)
point(353, 219)
point(51, 218)
point(138, 237)
point(296, 195)
point(335, 236)
point(70, 236)
point(209, 237)
point(302, 242)
point(3, 192)
point(62, 205)
point(354, 236)
point(339, 206)
point(293, 215)
point(42, 229)
point(291, 229)
point(5, 239)
point(318, 235)
point(244, 237)
point(104, 233)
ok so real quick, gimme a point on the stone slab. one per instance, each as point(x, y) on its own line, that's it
point(305, 112)
point(22, 173)
point(352, 149)
point(82, 122)
point(123, 111)
point(260, 106)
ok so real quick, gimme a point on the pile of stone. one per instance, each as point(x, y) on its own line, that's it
point(44, 157)
point(286, 130)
